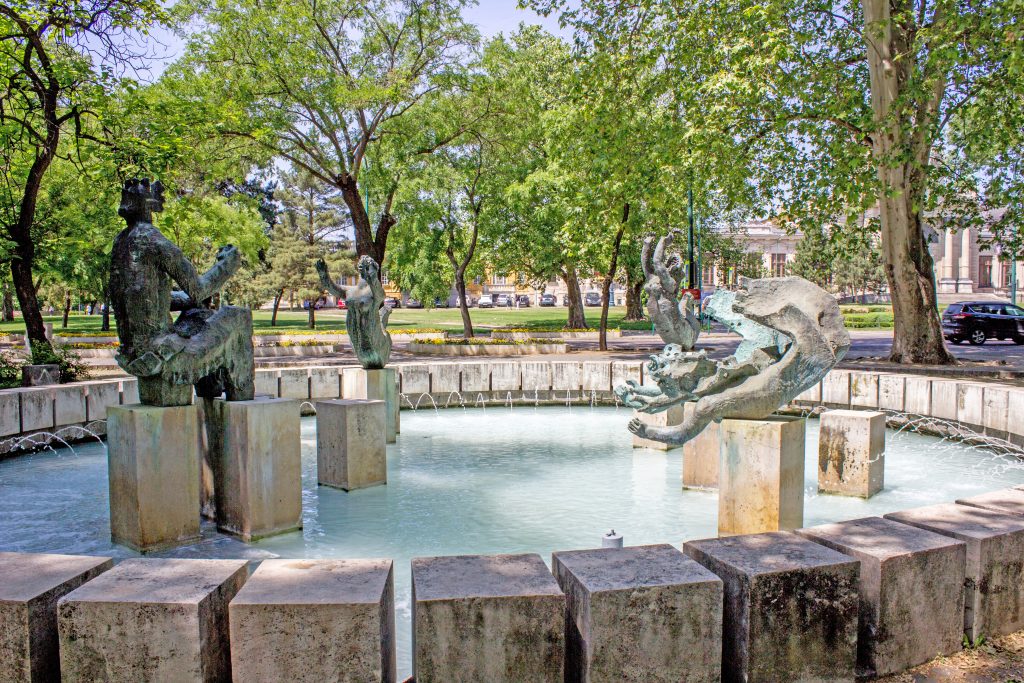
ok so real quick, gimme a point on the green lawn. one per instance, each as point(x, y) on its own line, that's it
point(401, 318)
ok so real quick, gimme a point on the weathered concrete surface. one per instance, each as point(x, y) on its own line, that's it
point(851, 452)
point(258, 467)
point(324, 382)
point(36, 408)
point(644, 613)
point(911, 591)
point(997, 402)
point(415, 379)
point(99, 397)
point(153, 470)
point(790, 608)
point(566, 376)
point(40, 375)
point(350, 449)
point(1004, 500)
point(30, 586)
point(944, 399)
point(487, 618)
point(668, 418)
point(150, 620)
point(476, 378)
point(891, 392)
point(864, 389)
point(376, 385)
point(917, 395)
point(315, 620)
point(701, 457)
point(994, 587)
point(970, 404)
point(597, 376)
point(623, 371)
point(10, 412)
point(294, 383)
point(445, 378)
point(835, 389)
point(69, 404)
point(761, 475)
point(129, 392)
point(267, 383)
point(506, 377)
point(536, 375)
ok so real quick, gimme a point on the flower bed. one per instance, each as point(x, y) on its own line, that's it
point(485, 346)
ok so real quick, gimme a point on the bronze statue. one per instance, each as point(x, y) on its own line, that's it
point(210, 350)
point(675, 320)
point(365, 319)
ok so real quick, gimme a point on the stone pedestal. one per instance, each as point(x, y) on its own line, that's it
point(487, 618)
point(29, 590)
point(350, 449)
point(40, 375)
point(315, 620)
point(790, 608)
point(153, 464)
point(640, 614)
point(851, 453)
point(150, 620)
point(911, 591)
point(994, 588)
point(666, 418)
point(376, 385)
point(700, 457)
point(257, 467)
point(761, 475)
point(1005, 500)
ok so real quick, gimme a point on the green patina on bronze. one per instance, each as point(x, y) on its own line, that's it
point(365, 318)
point(210, 350)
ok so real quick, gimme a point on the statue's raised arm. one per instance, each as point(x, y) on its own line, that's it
point(324, 272)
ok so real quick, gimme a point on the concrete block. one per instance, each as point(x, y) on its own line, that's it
point(536, 375)
point(99, 397)
point(487, 618)
point(891, 392)
point(153, 467)
point(476, 378)
point(295, 384)
point(1005, 500)
point(666, 418)
point(970, 404)
point(31, 586)
point(445, 378)
point(350, 448)
point(994, 587)
point(151, 620)
point(267, 383)
point(810, 395)
point(1015, 409)
point(40, 375)
point(835, 389)
point(996, 411)
point(376, 385)
point(701, 457)
point(506, 377)
point(325, 382)
point(10, 412)
point(415, 379)
point(917, 395)
point(944, 399)
point(911, 591)
point(851, 452)
point(790, 607)
point(36, 408)
point(864, 389)
point(258, 467)
point(761, 475)
point(566, 376)
point(69, 404)
point(129, 392)
point(645, 613)
point(315, 620)
point(623, 371)
point(597, 376)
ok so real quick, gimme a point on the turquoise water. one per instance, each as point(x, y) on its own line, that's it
point(482, 481)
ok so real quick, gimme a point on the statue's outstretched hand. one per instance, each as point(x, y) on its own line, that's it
point(637, 427)
point(229, 258)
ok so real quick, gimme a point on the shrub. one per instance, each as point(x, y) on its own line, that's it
point(72, 368)
point(10, 371)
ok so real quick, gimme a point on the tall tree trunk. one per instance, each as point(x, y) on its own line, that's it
point(634, 296)
point(8, 303)
point(312, 315)
point(67, 310)
point(902, 160)
point(277, 305)
point(467, 322)
point(369, 242)
point(577, 315)
point(606, 286)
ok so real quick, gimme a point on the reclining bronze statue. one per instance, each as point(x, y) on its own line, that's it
point(208, 350)
point(366, 318)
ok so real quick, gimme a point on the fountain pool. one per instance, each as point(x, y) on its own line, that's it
point(483, 481)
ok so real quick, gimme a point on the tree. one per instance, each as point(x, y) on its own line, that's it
point(815, 257)
point(50, 61)
point(328, 85)
point(826, 111)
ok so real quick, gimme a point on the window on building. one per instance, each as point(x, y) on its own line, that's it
point(499, 280)
point(985, 272)
point(384, 279)
point(778, 265)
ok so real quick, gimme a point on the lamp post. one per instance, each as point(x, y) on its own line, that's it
point(691, 273)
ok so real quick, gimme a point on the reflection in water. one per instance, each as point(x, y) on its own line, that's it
point(482, 481)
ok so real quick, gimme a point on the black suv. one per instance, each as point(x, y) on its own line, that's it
point(977, 321)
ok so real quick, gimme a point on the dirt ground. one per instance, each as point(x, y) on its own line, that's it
point(998, 661)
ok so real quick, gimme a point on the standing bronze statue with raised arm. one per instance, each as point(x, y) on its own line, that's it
point(366, 319)
point(210, 350)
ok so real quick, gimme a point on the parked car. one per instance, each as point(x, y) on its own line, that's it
point(342, 305)
point(978, 321)
point(316, 306)
point(523, 300)
point(503, 300)
point(548, 300)
point(413, 303)
point(485, 301)
point(392, 302)
point(440, 303)
point(592, 299)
